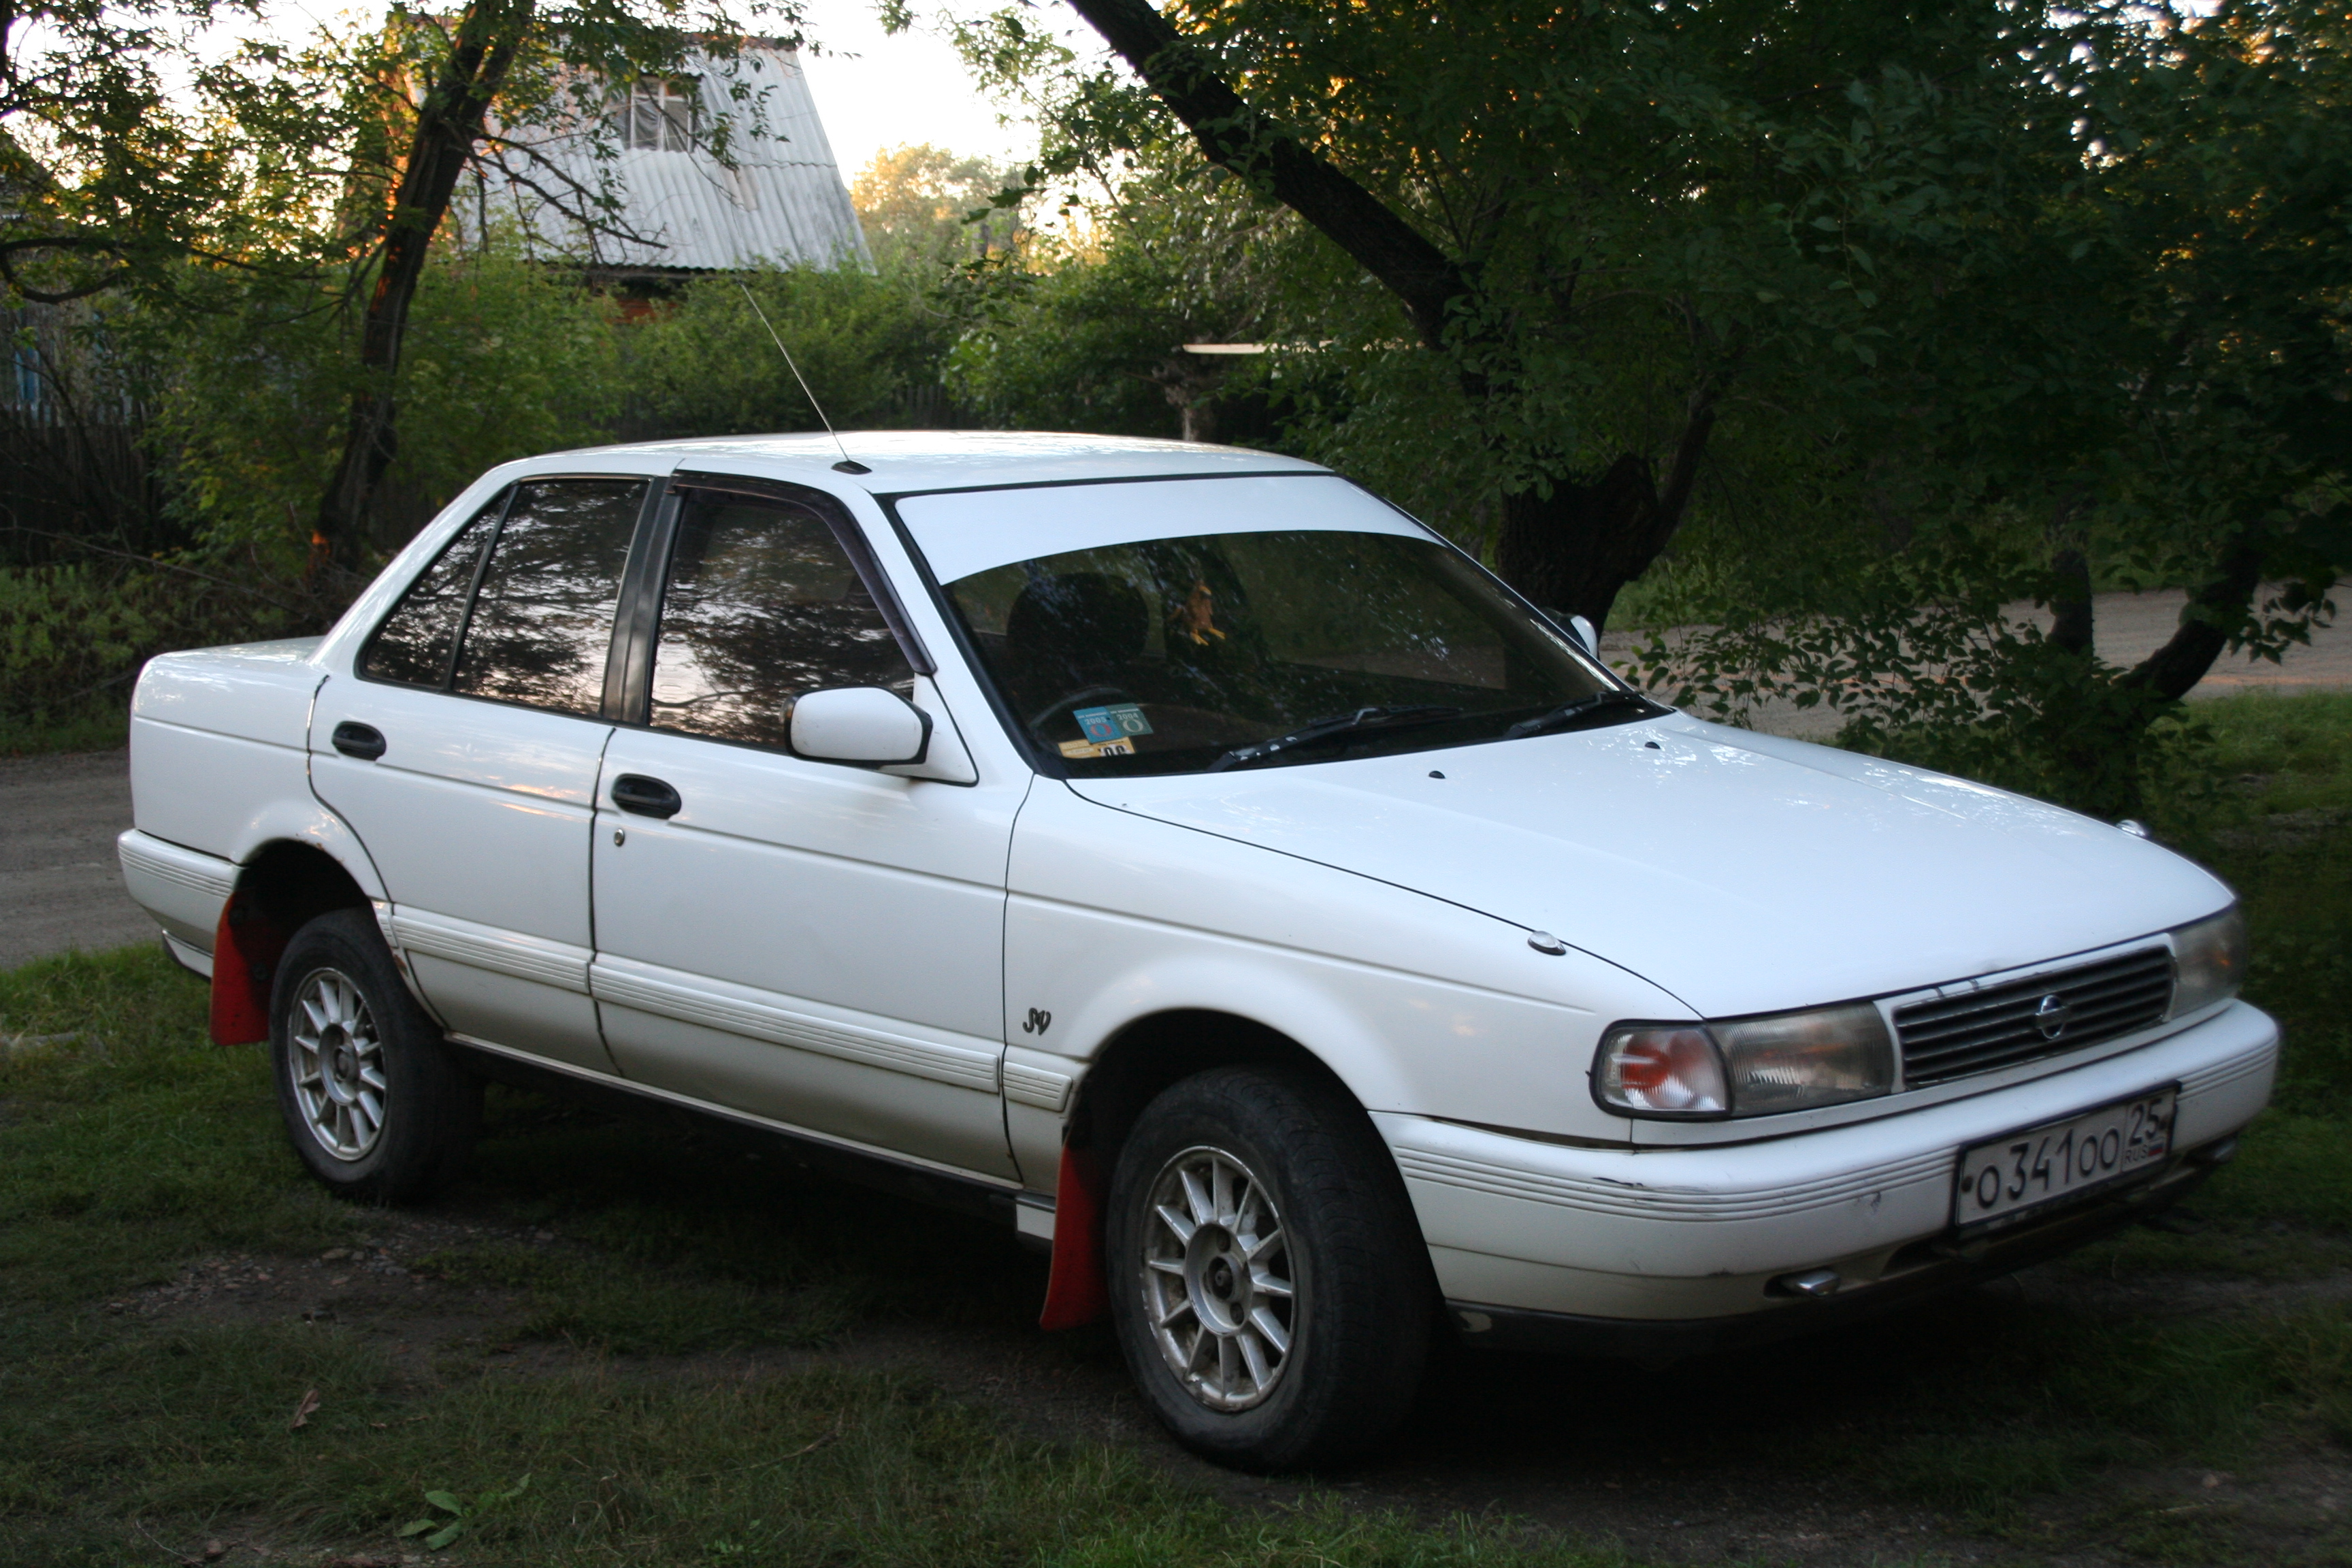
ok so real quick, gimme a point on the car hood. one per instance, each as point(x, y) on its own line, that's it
point(1743, 873)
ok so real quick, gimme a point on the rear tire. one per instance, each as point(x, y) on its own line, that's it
point(373, 1100)
point(1268, 1283)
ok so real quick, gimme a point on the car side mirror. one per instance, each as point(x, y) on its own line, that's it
point(861, 724)
point(1576, 626)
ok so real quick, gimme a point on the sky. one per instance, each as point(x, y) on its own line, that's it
point(876, 92)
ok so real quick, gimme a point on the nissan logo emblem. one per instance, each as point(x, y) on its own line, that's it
point(2051, 1016)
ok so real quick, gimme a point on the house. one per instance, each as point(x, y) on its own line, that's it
point(681, 210)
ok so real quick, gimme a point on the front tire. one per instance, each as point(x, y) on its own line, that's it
point(1268, 1284)
point(374, 1100)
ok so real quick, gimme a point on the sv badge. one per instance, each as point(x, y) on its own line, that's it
point(1037, 1022)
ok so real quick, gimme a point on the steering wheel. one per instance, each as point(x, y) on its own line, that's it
point(1073, 699)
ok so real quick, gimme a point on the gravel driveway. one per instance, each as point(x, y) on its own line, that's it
point(58, 818)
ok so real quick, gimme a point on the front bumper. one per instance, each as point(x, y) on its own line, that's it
point(1605, 1245)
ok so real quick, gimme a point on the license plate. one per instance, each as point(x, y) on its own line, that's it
point(2060, 1160)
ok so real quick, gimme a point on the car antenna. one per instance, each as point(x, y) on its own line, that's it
point(848, 465)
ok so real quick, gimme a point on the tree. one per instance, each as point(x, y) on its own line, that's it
point(489, 84)
point(124, 149)
point(2132, 368)
point(1083, 328)
point(869, 346)
point(1969, 284)
point(1601, 222)
point(918, 205)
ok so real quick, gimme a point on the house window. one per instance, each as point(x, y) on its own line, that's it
point(659, 118)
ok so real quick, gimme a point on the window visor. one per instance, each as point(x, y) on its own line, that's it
point(973, 530)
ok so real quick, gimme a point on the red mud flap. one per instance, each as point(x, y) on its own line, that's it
point(246, 950)
point(1074, 1291)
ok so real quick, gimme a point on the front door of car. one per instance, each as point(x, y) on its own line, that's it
point(815, 943)
point(464, 753)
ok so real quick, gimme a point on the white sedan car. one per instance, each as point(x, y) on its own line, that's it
point(1191, 860)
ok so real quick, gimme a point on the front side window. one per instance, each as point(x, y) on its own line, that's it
point(762, 605)
point(1287, 623)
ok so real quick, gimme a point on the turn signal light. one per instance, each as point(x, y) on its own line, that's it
point(1662, 1071)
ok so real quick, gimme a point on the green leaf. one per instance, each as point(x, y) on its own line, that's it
point(416, 1527)
point(445, 1501)
point(441, 1538)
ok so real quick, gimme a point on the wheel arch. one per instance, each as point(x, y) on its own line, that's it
point(1132, 1066)
point(1154, 1052)
point(282, 885)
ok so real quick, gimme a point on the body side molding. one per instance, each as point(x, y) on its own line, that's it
point(928, 1180)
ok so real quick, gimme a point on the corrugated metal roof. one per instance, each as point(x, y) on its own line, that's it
point(784, 203)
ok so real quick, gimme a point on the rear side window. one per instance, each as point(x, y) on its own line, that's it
point(414, 645)
point(539, 628)
point(762, 605)
point(541, 622)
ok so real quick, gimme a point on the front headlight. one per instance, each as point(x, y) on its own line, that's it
point(1747, 1067)
point(2208, 960)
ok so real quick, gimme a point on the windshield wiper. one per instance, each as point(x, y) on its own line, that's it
point(1339, 723)
point(1567, 712)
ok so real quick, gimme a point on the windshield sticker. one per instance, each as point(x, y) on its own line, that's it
point(1092, 749)
point(1118, 723)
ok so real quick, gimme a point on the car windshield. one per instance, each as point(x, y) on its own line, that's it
point(1213, 650)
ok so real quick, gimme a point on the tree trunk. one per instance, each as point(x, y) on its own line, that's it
point(1573, 550)
point(448, 123)
point(2094, 727)
point(2215, 609)
point(1576, 548)
point(1190, 383)
point(2071, 626)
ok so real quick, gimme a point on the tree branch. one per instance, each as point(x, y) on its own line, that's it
point(1242, 139)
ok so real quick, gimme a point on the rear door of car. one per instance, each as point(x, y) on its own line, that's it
point(463, 749)
point(813, 942)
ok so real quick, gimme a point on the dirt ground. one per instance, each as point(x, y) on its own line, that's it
point(1497, 1435)
point(59, 878)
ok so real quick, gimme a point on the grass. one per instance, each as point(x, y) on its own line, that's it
point(129, 1148)
point(687, 1371)
point(598, 1465)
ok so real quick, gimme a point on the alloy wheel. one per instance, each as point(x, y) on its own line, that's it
point(339, 1069)
point(1217, 1279)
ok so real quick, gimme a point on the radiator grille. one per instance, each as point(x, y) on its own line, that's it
point(2000, 1025)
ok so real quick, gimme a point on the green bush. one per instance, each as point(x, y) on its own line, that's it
point(73, 636)
point(505, 357)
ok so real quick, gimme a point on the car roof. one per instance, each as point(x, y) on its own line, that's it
point(909, 460)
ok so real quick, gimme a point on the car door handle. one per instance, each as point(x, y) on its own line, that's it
point(646, 797)
point(364, 742)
